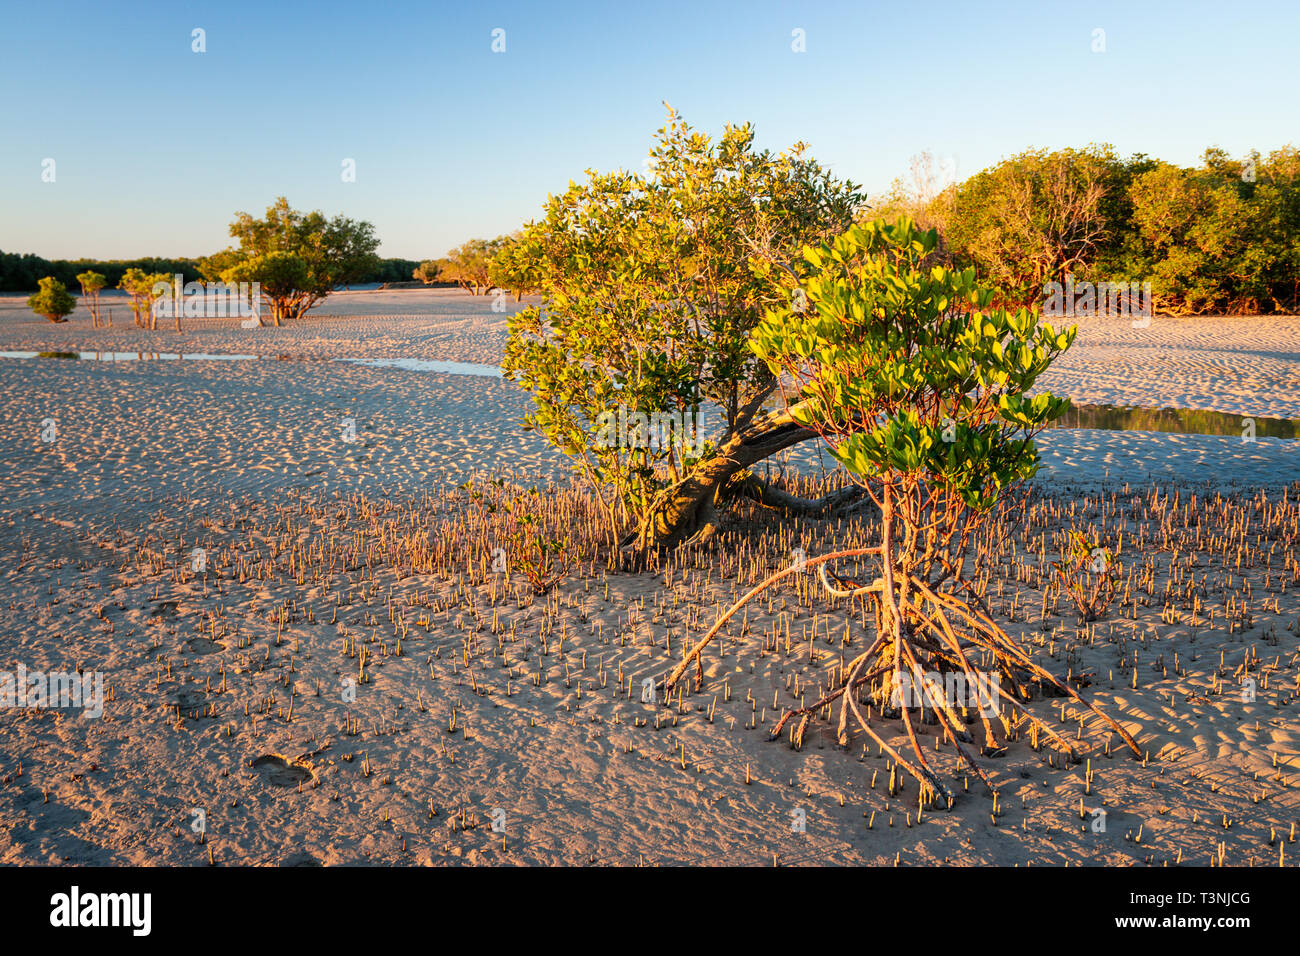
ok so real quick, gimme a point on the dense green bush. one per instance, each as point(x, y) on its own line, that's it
point(1223, 237)
point(650, 286)
point(297, 257)
point(52, 300)
point(22, 273)
point(390, 270)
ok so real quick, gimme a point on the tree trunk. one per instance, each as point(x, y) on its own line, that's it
point(690, 511)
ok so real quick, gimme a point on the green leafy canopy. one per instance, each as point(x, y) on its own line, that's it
point(908, 371)
point(52, 300)
point(651, 284)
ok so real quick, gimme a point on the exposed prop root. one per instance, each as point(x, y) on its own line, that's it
point(914, 618)
point(694, 653)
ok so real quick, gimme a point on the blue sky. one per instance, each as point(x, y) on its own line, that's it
point(156, 146)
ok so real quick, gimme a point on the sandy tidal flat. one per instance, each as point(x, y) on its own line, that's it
point(228, 688)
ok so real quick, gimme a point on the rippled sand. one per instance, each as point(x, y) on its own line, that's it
point(150, 455)
point(1248, 365)
point(432, 324)
point(1241, 365)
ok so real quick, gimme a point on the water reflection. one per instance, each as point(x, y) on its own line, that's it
point(1182, 420)
point(128, 356)
point(428, 365)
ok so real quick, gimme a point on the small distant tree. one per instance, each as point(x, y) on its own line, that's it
point(513, 267)
point(284, 280)
point(298, 258)
point(91, 284)
point(52, 300)
point(169, 293)
point(470, 263)
point(450, 272)
point(427, 272)
point(922, 392)
point(144, 291)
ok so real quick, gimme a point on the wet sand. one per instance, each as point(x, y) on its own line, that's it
point(227, 687)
